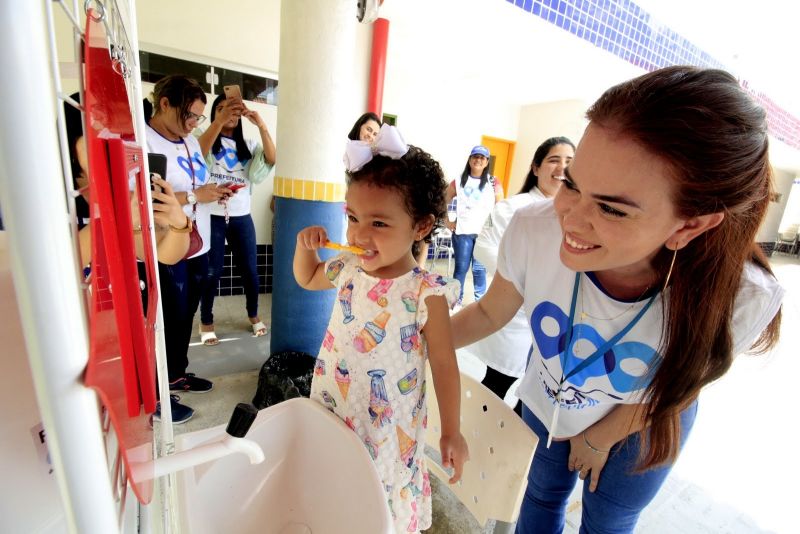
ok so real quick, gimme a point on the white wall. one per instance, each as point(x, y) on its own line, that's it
point(29, 497)
point(242, 32)
point(460, 69)
point(538, 122)
point(782, 183)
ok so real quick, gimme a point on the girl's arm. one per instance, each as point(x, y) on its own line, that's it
point(447, 381)
point(309, 270)
point(266, 138)
point(449, 195)
point(488, 315)
point(589, 449)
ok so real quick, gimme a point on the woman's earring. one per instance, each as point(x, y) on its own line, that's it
point(671, 265)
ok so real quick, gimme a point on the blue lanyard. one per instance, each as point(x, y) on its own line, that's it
point(604, 347)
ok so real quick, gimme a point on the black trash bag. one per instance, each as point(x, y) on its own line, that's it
point(285, 375)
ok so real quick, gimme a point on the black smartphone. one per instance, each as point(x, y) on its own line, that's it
point(158, 165)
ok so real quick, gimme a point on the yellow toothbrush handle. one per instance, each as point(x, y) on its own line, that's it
point(346, 248)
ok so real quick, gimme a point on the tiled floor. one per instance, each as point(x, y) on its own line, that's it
point(733, 477)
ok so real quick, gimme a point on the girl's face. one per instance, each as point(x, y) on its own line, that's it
point(476, 164)
point(369, 130)
point(550, 173)
point(616, 209)
point(379, 223)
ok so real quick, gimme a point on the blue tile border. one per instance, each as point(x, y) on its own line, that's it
point(626, 30)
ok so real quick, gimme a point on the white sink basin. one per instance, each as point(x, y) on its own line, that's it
point(317, 478)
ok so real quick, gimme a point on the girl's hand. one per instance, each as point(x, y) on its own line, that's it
point(166, 208)
point(312, 238)
point(455, 453)
point(585, 460)
point(254, 118)
point(230, 108)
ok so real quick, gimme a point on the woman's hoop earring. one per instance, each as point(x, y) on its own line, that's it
point(671, 265)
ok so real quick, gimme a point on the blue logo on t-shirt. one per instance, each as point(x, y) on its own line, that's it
point(231, 158)
point(607, 365)
point(200, 169)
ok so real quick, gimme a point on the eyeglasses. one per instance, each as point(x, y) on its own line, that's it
point(195, 117)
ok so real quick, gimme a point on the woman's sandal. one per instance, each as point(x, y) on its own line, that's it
point(259, 329)
point(209, 339)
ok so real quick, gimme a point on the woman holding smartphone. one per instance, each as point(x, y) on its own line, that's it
point(238, 164)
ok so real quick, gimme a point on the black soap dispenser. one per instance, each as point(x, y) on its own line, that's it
point(241, 419)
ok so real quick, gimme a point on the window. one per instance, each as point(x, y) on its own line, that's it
point(211, 78)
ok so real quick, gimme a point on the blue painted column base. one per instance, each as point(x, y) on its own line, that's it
point(299, 316)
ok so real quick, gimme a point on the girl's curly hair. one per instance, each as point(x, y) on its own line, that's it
point(419, 180)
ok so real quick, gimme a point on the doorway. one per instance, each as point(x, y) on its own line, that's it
point(501, 156)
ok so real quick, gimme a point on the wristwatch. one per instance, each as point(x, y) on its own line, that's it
point(191, 199)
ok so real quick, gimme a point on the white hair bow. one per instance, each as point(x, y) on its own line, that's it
point(388, 143)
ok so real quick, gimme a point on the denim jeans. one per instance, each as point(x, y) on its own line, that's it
point(616, 503)
point(463, 246)
point(241, 235)
point(181, 286)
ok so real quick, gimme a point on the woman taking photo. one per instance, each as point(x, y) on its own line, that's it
point(178, 104)
point(505, 352)
point(475, 193)
point(235, 163)
point(641, 281)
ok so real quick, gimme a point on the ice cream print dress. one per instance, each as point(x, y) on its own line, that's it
point(371, 373)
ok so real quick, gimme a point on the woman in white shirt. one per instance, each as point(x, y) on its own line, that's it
point(641, 281)
point(476, 193)
point(505, 351)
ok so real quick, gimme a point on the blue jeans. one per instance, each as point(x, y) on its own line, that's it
point(615, 505)
point(181, 287)
point(463, 246)
point(241, 235)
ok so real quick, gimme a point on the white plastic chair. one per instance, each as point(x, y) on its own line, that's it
point(443, 242)
point(501, 448)
point(787, 240)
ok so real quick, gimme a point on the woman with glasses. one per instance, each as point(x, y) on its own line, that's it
point(237, 163)
point(178, 104)
point(475, 193)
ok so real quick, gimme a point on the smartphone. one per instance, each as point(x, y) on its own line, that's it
point(232, 91)
point(158, 165)
point(235, 187)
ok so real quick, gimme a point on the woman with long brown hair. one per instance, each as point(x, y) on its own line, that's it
point(641, 281)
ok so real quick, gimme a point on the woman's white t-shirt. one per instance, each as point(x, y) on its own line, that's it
point(180, 165)
point(529, 259)
point(473, 205)
point(226, 167)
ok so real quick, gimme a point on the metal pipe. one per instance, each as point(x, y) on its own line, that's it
point(42, 255)
point(377, 71)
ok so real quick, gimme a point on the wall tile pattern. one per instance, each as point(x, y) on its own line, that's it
point(624, 29)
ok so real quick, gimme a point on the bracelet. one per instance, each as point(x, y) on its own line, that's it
point(185, 230)
point(595, 449)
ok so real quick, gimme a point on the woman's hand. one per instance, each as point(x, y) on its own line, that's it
point(455, 453)
point(586, 460)
point(312, 238)
point(211, 193)
point(167, 211)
